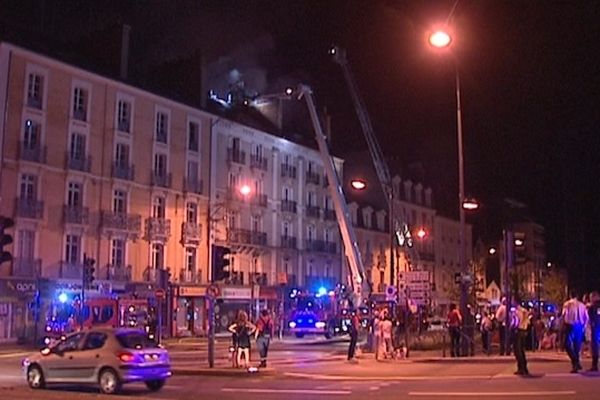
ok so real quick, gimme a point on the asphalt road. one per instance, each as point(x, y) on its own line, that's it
point(464, 379)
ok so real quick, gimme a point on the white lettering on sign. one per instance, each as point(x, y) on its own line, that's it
point(192, 291)
point(236, 293)
point(25, 287)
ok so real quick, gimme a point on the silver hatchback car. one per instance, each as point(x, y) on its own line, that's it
point(104, 357)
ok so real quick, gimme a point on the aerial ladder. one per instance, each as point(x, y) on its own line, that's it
point(357, 271)
point(381, 168)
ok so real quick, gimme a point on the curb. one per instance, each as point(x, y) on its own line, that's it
point(483, 360)
point(223, 372)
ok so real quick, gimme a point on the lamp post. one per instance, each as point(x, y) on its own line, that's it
point(442, 40)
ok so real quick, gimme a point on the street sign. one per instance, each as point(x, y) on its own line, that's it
point(416, 286)
point(391, 293)
point(160, 293)
point(213, 291)
point(419, 294)
point(416, 276)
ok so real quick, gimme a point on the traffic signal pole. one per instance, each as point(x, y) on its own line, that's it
point(83, 283)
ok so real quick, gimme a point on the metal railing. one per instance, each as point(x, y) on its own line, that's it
point(289, 206)
point(123, 171)
point(76, 214)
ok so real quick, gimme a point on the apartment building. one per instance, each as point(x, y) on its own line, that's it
point(145, 185)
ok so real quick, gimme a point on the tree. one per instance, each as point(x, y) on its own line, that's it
point(554, 287)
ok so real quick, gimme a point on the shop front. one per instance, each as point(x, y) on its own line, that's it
point(16, 318)
point(190, 311)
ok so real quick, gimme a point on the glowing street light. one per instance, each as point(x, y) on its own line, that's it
point(245, 190)
point(470, 204)
point(440, 39)
point(358, 184)
point(421, 233)
point(492, 251)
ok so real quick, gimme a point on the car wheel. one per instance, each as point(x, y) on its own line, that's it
point(109, 381)
point(155, 385)
point(35, 377)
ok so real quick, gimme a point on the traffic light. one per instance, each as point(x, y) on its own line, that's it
point(88, 271)
point(5, 238)
point(220, 263)
point(519, 248)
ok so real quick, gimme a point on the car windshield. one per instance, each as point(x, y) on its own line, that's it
point(136, 340)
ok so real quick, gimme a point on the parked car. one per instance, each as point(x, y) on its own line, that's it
point(106, 357)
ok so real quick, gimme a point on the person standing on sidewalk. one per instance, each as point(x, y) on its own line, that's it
point(354, 327)
point(486, 332)
point(265, 330)
point(454, 322)
point(575, 317)
point(377, 334)
point(386, 334)
point(243, 330)
point(503, 330)
point(520, 321)
point(594, 318)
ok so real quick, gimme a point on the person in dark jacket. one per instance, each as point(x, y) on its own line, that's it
point(265, 329)
point(353, 329)
point(594, 314)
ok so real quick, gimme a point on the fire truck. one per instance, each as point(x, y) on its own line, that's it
point(64, 313)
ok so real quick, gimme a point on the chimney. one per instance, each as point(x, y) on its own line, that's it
point(125, 52)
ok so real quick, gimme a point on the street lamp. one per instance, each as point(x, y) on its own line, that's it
point(441, 40)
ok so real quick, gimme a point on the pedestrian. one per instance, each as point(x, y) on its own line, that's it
point(503, 330)
point(520, 326)
point(386, 334)
point(265, 330)
point(353, 330)
point(575, 317)
point(486, 332)
point(454, 322)
point(243, 330)
point(378, 345)
point(594, 321)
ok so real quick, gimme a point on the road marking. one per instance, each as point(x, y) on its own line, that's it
point(380, 378)
point(287, 391)
point(12, 355)
point(497, 394)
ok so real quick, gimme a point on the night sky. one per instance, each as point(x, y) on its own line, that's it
point(530, 76)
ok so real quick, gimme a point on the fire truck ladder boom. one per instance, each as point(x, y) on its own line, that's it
point(357, 270)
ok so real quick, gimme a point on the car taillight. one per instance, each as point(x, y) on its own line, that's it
point(125, 357)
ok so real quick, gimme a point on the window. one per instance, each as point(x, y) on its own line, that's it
point(235, 145)
point(28, 189)
point(160, 165)
point(311, 199)
point(26, 244)
point(310, 233)
point(162, 130)
point(71, 343)
point(123, 115)
point(120, 202)
point(311, 167)
point(117, 253)
point(328, 203)
point(77, 146)
point(35, 88)
point(256, 223)
point(327, 234)
point(135, 340)
point(74, 194)
point(233, 180)
point(286, 229)
point(258, 151)
point(158, 255)
point(122, 155)
point(287, 193)
point(191, 212)
point(193, 136)
point(94, 340)
point(80, 103)
point(190, 258)
point(72, 249)
point(258, 187)
point(192, 171)
point(287, 159)
point(31, 135)
point(158, 207)
point(231, 220)
point(367, 219)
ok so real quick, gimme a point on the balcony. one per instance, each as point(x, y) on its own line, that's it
point(236, 278)
point(258, 162)
point(29, 208)
point(245, 236)
point(189, 276)
point(158, 229)
point(259, 199)
point(236, 156)
point(313, 177)
point(32, 152)
point(330, 247)
point(159, 276)
point(233, 193)
point(121, 223)
point(260, 279)
point(289, 206)
point(118, 273)
point(288, 242)
point(192, 185)
point(313, 212)
point(329, 215)
point(288, 171)
point(30, 268)
point(80, 114)
point(190, 233)
point(160, 178)
point(123, 171)
point(71, 270)
point(314, 245)
point(292, 280)
point(75, 215)
point(78, 162)
point(34, 102)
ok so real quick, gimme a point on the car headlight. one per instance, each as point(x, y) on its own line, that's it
point(292, 324)
point(320, 325)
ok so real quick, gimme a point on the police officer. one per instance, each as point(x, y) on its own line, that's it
point(594, 314)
